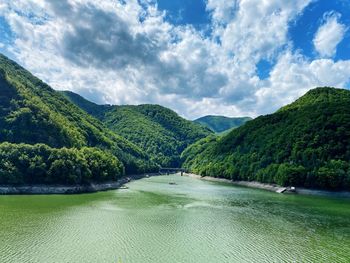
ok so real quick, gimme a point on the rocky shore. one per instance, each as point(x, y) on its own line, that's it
point(274, 188)
point(74, 189)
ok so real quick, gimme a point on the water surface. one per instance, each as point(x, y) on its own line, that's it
point(191, 222)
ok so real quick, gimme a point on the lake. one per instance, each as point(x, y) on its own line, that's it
point(190, 221)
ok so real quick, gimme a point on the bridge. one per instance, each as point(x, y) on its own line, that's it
point(168, 170)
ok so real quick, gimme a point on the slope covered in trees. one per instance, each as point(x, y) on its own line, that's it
point(98, 111)
point(33, 113)
point(159, 131)
point(221, 124)
point(306, 143)
point(40, 164)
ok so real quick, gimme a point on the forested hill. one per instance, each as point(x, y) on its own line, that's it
point(96, 110)
point(221, 124)
point(159, 131)
point(33, 113)
point(306, 143)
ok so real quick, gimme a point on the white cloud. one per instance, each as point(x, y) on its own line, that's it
point(258, 28)
point(122, 52)
point(294, 75)
point(329, 35)
point(222, 10)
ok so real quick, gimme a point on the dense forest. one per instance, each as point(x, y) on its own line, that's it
point(306, 143)
point(159, 131)
point(33, 113)
point(222, 124)
point(40, 164)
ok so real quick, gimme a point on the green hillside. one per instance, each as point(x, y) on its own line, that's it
point(306, 143)
point(33, 113)
point(41, 164)
point(220, 124)
point(98, 111)
point(159, 131)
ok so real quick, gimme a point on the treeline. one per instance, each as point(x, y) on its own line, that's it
point(304, 144)
point(23, 164)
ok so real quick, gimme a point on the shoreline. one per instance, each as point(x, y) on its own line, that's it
point(101, 187)
point(272, 187)
point(73, 189)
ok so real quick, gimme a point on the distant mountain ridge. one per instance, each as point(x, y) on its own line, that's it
point(306, 143)
point(159, 131)
point(219, 124)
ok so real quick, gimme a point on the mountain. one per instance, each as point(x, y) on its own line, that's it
point(306, 143)
point(97, 111)
point(219, 124)
point(159, 131)
point(32, 113)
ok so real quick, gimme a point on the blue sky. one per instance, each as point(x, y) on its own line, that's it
point(301, 31)
point(229, 57)
point(6, 35)
point(304, 28)
point(186, 12)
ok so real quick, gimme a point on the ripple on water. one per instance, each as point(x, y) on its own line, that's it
point(194, 221)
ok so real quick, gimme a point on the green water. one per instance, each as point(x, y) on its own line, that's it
point(193, 221)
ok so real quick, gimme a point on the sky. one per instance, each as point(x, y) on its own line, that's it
point(197, 57)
